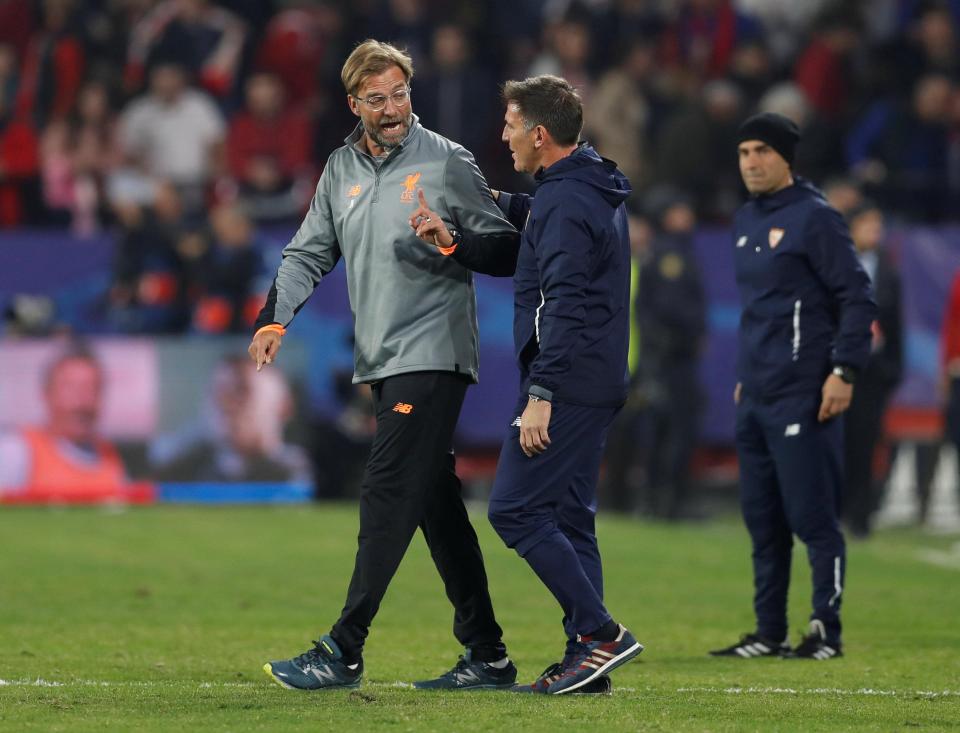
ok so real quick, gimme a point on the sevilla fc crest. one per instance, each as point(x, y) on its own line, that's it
point(776, 235)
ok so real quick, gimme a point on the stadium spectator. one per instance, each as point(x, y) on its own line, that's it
point(447, 93)
point(692, 149)
point(820, 156)
point(296, 47)
point(226, 301)
point(205, 37)
point(822, 70)
point(19, 154)
point(148, 293)
point(416, 342)
point(863, 424)
point(66, 458)
point(843, 194)
point(77, 156)
point(269, 149)
point(53, 66)
point(804, 334)
point(619, 118)
point(239, 436)
point(699, 43)
point(671, 308)
point(900, 150)
point(566, 53)
point(174, 133)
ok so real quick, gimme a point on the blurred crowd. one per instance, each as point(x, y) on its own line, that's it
point(184, 124)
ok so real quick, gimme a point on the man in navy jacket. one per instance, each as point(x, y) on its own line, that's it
point(804, 335)
point(571, 331)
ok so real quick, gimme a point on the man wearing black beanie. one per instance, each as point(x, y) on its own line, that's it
point(804, 334)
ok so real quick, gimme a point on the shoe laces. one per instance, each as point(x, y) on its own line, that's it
point(461, 665)
point(313, 657)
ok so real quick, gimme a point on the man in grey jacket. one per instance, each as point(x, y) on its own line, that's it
point(416, 345)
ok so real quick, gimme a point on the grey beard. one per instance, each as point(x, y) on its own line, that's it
point(375, 135)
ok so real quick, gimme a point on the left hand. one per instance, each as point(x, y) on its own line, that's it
point(836, 398)
point(534, 438)
point(428, 225)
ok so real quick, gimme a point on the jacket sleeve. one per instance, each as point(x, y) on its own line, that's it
point(565, 251)
point(312, 253)
point(489, 242)
point(833, 259)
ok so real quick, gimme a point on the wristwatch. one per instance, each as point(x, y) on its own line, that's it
point(456, 235)
point(846, 373)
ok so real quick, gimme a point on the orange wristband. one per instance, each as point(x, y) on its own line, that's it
point(271, 327)
point(447, 251)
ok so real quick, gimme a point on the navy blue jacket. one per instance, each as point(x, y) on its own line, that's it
point(807, 303)
point(571, 278)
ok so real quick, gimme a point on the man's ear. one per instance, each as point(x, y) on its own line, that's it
point(353, 104)
point(539, 136)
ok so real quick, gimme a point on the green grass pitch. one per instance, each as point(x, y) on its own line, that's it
point(160, 619)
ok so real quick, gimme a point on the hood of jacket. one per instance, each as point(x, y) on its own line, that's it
point(586, 165)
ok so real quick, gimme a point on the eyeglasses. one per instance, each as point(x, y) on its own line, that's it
point(377, 102)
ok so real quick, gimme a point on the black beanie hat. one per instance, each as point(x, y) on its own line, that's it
point(779, 132)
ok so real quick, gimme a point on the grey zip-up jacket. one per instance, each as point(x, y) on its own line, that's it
point(414, 309)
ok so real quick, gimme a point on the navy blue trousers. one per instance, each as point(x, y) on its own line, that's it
point(791, 479)
point(544, 507)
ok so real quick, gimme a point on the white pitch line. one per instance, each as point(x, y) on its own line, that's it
point(861, 692)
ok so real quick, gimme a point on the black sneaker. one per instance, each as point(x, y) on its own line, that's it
point(319, 668)
point(814, 645)
point(753, 645)
point(472, 674)
point(599, 686)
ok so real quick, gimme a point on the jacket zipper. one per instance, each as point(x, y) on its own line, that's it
point(536, 318)
point(796, 330)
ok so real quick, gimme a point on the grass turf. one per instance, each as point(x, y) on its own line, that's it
point(160, 619)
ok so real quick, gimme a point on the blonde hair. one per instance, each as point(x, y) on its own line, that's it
point(373, 57)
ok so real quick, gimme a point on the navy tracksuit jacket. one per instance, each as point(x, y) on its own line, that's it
point(571, 334)
point(806, 308)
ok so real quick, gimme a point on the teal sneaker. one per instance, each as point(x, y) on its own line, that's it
point(319, 668)
point(597, 658)
point(472, 674)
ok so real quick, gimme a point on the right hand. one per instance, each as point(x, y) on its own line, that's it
point(736, 393)
point(264, 347)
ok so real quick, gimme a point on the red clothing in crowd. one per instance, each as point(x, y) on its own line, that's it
point(18, 162)
point(820, 73)
point(59, 61)
point(286, 140)
point(703, 40)
point(950, 343)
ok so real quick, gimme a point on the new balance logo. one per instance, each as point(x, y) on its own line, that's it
point(467, 676)
point(792, 430)
point(515, 423)
point(403, 408)
point(324, 673)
